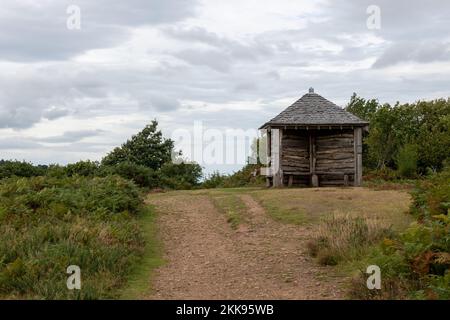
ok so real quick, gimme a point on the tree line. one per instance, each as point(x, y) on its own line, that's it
point(411, 138)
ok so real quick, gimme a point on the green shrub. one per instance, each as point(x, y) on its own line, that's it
point(48, 223)
point(180, 176)
point(246, 177)
point(147, 148)
point(341, 237)
point(425, 124)
point(141, 175)
point(20, 169)
point(82, 168)
point(406, 161)
point(56, 171)
point(214, 180)
point(418, 260)
point(382, 174)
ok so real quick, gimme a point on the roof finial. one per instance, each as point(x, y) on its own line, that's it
point(311, 90)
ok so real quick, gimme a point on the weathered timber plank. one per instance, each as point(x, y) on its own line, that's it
point(335, 157)
point(340, 162)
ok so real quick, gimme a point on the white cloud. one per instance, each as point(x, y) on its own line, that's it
point(232, 64)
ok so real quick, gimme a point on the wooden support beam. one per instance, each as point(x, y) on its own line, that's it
point(281, 157)
point(312, 160)
point(345, 180)
point(276, 152)
point(315, 180)
point(358, 156)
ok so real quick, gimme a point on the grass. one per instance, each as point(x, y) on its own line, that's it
point(311, 205)
point(280, 211)
point(139, 282)
point(345, 224)
point(50, 223)
point(231, 205)
point(416, 262)
point(226, 200)
point(341, 237)
point(379, 184)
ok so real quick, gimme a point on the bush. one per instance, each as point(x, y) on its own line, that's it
point(20, 169)
point(425, 124)
point(147, 148)
point(142, 176)
point(418, 260)
point(82, 168)
point(432, 196)
point(214, 180)
point(180, 176)
point(48, 223)
point(406, 161)
point(341, 237)
point(246, 177)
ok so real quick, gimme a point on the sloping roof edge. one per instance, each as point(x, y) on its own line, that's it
point(313, 110)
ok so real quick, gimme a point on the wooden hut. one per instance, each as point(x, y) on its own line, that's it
point(315, 143)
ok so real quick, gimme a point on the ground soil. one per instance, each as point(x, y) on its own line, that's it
point(261, 259)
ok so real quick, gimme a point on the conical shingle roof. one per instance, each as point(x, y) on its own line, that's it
point(313, 109)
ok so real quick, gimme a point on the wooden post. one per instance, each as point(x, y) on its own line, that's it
point(314, 180)
point(312, 161)
point(276, 158)
point(357, 136)
point(269, 157)
point(291, 180)
point(280, 157)
point(345, 180)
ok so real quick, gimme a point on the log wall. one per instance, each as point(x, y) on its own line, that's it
point(295, 152)
point(335, 152)
point(329, 154)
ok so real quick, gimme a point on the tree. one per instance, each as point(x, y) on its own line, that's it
point(147, 148)
point(362, 108)
point(406, 161)
point(423, 124)
point(433, 138)
point(258, 151)
point(366, 110)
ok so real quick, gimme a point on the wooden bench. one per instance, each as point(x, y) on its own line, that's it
point(314, 175)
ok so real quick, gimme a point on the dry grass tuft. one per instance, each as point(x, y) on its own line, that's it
point(345, 237)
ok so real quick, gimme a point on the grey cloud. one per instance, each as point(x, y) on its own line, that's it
point(163, 102)
point(197, 34)
point(414, 51)
point(55, 113)
point(216, 70)
point(33, 33)
point(26, 99)
point(137, 12)
point(18, 116)
point(215, 59)
point(71, 136)
point(224, 52)
point(18, 143)
point(399, 19)
point(245, 86)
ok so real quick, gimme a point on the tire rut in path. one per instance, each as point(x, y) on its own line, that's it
point(206, 259)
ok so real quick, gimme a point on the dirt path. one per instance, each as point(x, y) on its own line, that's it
point(207, 259)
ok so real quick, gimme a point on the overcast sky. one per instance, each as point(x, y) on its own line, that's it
point(71, 94)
